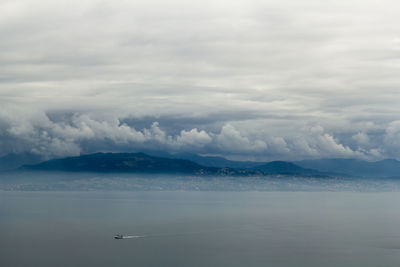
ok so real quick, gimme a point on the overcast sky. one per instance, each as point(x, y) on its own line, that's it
point(257, 80)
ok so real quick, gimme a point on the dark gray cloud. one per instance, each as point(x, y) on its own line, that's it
point(244, 79)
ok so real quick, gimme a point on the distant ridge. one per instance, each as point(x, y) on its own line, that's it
point(188, 163)
point(13, 161)
point(120, 162)
point(355, 167)
point(214, 161)
point(288, 168)
point(143, 163)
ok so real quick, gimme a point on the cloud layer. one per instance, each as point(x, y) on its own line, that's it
point(75, 134)
point(249, 79)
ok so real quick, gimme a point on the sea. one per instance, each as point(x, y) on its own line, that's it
point(199, 228)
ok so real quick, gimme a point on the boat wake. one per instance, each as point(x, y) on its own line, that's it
point(119, 236)
point(128, 236)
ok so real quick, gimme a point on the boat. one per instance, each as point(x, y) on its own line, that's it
point(118, 236)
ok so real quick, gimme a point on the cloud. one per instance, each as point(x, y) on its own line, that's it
point(43, 136)
point(392, 138)
point(318, 144)
point(235, 78)
point(231, 140)
point(361, 138)
point(86, 133)
point(193, 137)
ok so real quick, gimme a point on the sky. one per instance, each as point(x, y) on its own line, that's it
point(248, 80)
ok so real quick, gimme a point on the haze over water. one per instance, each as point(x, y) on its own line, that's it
point(199, 228)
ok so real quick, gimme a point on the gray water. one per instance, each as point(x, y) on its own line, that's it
point(199, 229)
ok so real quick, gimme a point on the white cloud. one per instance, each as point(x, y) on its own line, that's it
point(230, 139)
point(246, 76)
point(361, 139)
point(391, 141)
point(193, 137)
point(83, 133)
point(320, 144)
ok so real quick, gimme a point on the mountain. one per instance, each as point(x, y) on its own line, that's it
point(210, 161)
point(187, 163)
point(383, 168)
point(143, 163)
point(288, 168)
point(13, 161)
point(121, 162)
point(213, 161)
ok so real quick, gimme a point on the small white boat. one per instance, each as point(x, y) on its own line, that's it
point(118, 236)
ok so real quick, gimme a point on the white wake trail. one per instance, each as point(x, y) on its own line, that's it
point(171, 234)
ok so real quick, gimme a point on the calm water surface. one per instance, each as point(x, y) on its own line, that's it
point(199, 229)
